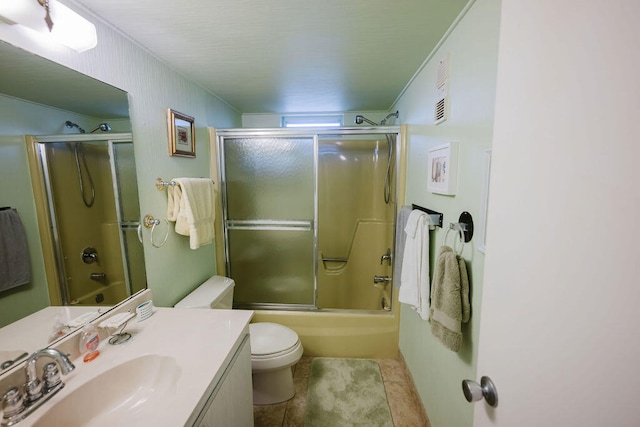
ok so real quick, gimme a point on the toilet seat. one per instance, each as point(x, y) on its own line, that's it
point(273, 346)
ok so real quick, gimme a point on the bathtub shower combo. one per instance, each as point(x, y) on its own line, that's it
point(309, 219)
point(93, 215)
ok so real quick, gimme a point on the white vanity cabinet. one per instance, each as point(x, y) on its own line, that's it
point(231, 402)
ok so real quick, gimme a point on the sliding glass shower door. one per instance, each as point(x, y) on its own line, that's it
point(270, 217)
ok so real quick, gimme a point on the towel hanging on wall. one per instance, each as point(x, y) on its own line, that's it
point(401, 241)
point(15, 264)
point(191, 206)
point(450, 305)
point(414, 280)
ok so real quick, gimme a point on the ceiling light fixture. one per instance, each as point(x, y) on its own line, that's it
point(51, 19)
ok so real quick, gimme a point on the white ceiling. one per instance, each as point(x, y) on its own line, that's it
point(285, 56)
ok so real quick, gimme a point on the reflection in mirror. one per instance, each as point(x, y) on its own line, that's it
point(38, 97)
point(92, 214)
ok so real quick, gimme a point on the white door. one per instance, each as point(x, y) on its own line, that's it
point(560, 323)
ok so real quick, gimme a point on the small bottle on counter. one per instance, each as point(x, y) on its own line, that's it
point(89, 342)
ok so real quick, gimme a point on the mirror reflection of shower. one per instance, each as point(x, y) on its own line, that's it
point(78, 153)
point(81, 162)
point(71, 125)
point(104, 127)
point(387, 180)
point(103, 164)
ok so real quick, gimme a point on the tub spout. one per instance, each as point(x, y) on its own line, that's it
point(381, 279)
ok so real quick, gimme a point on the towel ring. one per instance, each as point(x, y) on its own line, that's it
point(458, 228)
point(151, 222)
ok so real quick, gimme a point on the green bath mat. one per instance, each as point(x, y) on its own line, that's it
point(346, 392)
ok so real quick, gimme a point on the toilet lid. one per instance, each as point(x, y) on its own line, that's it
point(269, 338)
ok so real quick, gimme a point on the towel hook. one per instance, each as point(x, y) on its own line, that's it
point(459, 229)
point(150, 222)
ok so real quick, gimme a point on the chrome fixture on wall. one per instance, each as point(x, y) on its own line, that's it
point(104, 127)
point(395, 115)
point(78, 152)
point(89, 255)
point(360, 119)
point(71, 125)
point(387, 180)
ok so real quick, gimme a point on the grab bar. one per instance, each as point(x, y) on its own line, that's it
point(334, 259)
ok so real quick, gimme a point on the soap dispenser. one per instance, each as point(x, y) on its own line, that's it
point(89, 341)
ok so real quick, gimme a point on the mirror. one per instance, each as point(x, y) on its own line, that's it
point(40, 97)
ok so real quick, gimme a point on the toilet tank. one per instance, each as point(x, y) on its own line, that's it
point(216, 292)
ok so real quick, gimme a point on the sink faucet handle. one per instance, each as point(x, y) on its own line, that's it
point(12, 403)
point(51, 376)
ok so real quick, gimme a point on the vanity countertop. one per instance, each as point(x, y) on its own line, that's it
point(201, 342)
point(32, 332)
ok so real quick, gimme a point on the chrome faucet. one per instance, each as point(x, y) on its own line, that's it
point(381, 279)
point(386, 256)
point(15, 406)
point(33, 387)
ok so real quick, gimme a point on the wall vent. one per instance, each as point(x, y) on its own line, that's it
point(440, 111)
point(442, 84)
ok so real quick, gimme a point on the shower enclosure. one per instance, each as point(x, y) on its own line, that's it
point(309, 217)
point(93, 214)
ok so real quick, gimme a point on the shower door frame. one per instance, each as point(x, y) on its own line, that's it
point(40, 142)
point(317, 134)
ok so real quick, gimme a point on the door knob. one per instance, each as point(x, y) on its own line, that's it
point(486, 389)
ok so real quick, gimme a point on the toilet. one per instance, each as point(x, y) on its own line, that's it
point(274, 348)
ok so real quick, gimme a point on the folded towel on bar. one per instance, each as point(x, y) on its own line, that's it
point(401, 238)
point(191, 204)
point(449, 299)
point(15, 263)
point(414, 279)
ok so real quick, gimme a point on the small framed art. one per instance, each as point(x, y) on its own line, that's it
point(442, 169)
point(182, 136)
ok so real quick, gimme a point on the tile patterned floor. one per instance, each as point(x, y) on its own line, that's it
point(406, 408)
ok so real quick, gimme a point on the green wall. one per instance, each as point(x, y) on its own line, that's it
point(472, 45)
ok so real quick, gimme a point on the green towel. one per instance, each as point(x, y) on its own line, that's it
point(449, 299)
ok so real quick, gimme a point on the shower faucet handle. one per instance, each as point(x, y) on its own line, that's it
point(386, 256)
point(89, 255)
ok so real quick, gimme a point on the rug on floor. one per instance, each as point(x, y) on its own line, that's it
point(346, 392)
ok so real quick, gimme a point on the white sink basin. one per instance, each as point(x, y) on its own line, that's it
point(117, 397)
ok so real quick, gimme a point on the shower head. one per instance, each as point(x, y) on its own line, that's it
point(394, 115)
point(104, 127)
point(360, 119)
point(70, 125)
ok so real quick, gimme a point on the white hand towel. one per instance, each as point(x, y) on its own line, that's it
point(401, 239)
point(191, 204)
point(414, 281)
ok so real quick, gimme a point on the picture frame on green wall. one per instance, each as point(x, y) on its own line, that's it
point(182, 136)
point(442, 169)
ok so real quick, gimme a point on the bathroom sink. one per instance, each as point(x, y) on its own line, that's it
point(119, 396)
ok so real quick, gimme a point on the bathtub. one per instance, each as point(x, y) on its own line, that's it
point(342, 334)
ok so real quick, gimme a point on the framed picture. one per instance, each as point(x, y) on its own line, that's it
point(442, 169)
point(182, 136)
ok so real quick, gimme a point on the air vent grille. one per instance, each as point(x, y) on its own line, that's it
point(440, 111)
point(442, 88)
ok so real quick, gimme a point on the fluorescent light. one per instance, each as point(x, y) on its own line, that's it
point(311, 125)
point(69, 28)
point(312, 120)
